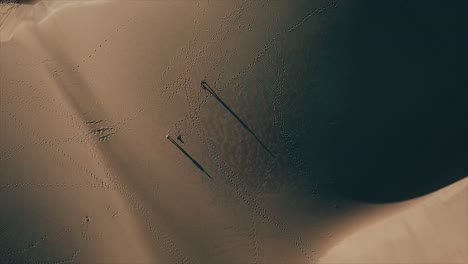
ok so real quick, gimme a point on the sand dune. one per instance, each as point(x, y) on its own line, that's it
point(432, 230)
point(271, 166)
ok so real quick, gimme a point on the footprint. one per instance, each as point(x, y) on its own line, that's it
point(106, 137)
point(104, 132)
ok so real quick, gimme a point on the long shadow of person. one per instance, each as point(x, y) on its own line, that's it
point(206, 87)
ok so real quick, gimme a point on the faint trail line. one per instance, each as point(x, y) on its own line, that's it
point(331, 4)
point(278, 36)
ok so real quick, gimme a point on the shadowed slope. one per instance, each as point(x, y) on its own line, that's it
point(398, 74)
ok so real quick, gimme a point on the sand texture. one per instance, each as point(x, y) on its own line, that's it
point(243, 132)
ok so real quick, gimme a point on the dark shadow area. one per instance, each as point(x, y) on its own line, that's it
point(188, 156)
point(402, 123)
point(206, 87)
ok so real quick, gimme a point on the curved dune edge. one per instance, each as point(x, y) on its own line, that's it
point(432, 230)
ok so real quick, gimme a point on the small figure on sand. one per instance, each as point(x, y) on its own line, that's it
point(179, 137)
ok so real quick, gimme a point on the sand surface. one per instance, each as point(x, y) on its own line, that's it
point(90, 89)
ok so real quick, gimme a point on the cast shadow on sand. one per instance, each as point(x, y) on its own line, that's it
point(402, 111)
point(188, 156)
point(206, 87)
